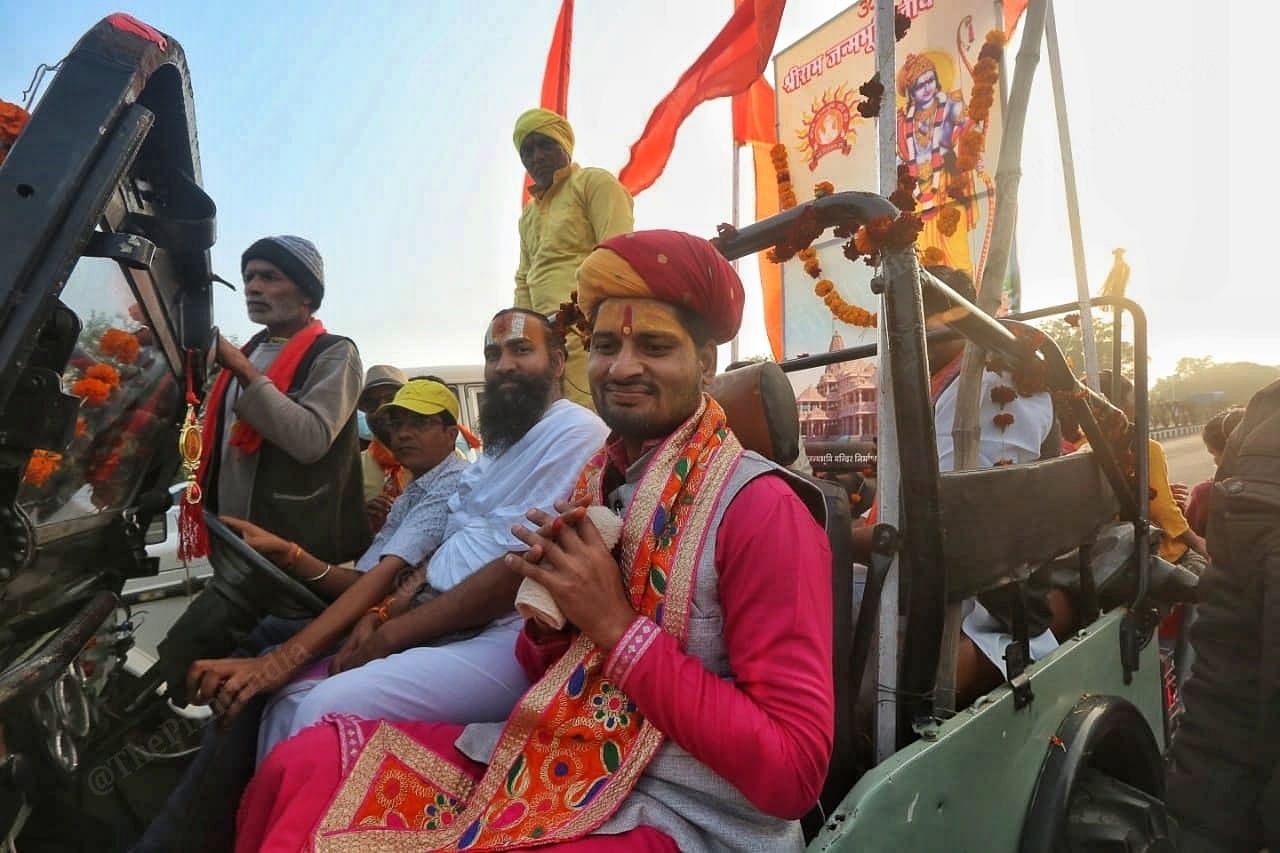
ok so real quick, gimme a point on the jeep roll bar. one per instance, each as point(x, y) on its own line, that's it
point(901, 281)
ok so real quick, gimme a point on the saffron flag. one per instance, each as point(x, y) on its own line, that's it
point(555, 78)
point(755, 123)
point(1013, 10)
point(732, 62)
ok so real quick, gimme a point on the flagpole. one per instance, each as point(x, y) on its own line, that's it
point(1073, 201)
point(887, 485)
point(737, 193)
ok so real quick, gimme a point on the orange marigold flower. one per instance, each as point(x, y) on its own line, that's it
point(1000, 463)
point(933, 257)
point(997, 38)
point(1003, 420)
point(813, 268)
point(42, 465)
point(808, 253)
point(105, 373)
point(94, 392)
point(862, 241)
point(120, 345)
point(1003, 395)
point(879, 228)
point(778, 152)
point(948, 221)
point(823, 188)
point(832, 299)
point(823, 287)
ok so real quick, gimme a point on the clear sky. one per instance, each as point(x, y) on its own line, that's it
point(383, 133)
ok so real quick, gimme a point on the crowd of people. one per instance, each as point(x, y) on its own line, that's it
point(620, 731)
point(687, 703)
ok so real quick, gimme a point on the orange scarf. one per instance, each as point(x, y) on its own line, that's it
point(575, 745)
point(193, 535)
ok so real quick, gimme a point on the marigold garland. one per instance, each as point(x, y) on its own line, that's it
point(13, 119)
point(42, 465)
point(104, 373)
point(808, 232)
point(872, 92)
point(118, 344)
point(94, 392)
point(1003, 395)
point(797, 244)
point(986, 73)
point(948, 221)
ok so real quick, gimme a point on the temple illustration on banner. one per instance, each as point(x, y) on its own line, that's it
point(842, 405)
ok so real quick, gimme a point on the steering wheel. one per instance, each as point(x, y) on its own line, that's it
point(252, 581)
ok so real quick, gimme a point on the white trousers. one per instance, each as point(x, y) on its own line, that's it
point(992, 640)
point(471, 681)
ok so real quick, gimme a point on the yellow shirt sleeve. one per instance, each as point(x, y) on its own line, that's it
point(1164, 510)
point(609, 206)
point(522, 297)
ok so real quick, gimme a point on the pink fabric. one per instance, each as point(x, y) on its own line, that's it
point(1198, 507)
point(775, 591)
point(295, 785)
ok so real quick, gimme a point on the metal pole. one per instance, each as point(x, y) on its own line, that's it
point(887, 484)
point(737, 192)
point(1073, 201)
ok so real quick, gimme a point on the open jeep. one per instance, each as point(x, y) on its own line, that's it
point(1066, 754)
point(105, 326)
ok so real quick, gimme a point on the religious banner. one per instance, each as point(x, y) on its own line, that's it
point(947, 135)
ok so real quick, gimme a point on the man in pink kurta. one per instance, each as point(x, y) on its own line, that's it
point(703, 642)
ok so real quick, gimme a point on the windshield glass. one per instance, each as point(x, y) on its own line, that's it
point(128, 395)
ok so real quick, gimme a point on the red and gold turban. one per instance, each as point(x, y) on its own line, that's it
point(670, 266)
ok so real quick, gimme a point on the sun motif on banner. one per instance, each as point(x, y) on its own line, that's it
point(827, 126)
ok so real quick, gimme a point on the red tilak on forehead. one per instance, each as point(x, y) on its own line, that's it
point(627, 324)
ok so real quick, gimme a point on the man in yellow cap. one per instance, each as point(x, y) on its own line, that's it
point(573, 209)
point(420, 425)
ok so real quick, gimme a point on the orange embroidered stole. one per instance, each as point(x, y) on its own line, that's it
point(575, 744)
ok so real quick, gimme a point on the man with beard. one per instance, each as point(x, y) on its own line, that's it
point(687, 704)
point(442, 651)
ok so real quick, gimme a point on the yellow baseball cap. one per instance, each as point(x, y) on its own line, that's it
point(424, 396)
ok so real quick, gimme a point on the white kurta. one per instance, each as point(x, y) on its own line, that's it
point(1019, 442)
point(476, 679)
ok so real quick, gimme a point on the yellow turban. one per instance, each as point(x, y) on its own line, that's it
point(547, 123)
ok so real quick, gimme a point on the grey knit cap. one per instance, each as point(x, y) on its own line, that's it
point(297, 257)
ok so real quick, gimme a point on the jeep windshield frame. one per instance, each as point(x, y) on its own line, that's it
point(901, 280)
point(107, 167)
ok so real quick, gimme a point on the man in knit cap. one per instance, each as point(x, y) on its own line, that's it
point(285, 448)
point(572, 210)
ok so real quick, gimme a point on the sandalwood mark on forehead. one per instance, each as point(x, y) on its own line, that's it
point(628, 325)
point(509, 327)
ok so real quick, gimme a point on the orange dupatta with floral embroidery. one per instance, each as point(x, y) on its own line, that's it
point(575, 745)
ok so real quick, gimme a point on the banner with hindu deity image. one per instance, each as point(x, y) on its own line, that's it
point(947, 138)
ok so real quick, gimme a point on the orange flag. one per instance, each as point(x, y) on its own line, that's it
point(1013, 10)
point(732, 62)
point(555, 78)
point(755, 123)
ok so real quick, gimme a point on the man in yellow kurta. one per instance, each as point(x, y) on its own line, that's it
point(573, 209)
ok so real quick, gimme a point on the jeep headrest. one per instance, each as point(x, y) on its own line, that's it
point(761, 406)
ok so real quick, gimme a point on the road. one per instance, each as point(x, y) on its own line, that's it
point(1189, 462)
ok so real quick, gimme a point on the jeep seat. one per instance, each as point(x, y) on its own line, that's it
point(761, 407)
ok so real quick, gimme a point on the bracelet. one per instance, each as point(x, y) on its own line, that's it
point(328, 567)
point(293, 556)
